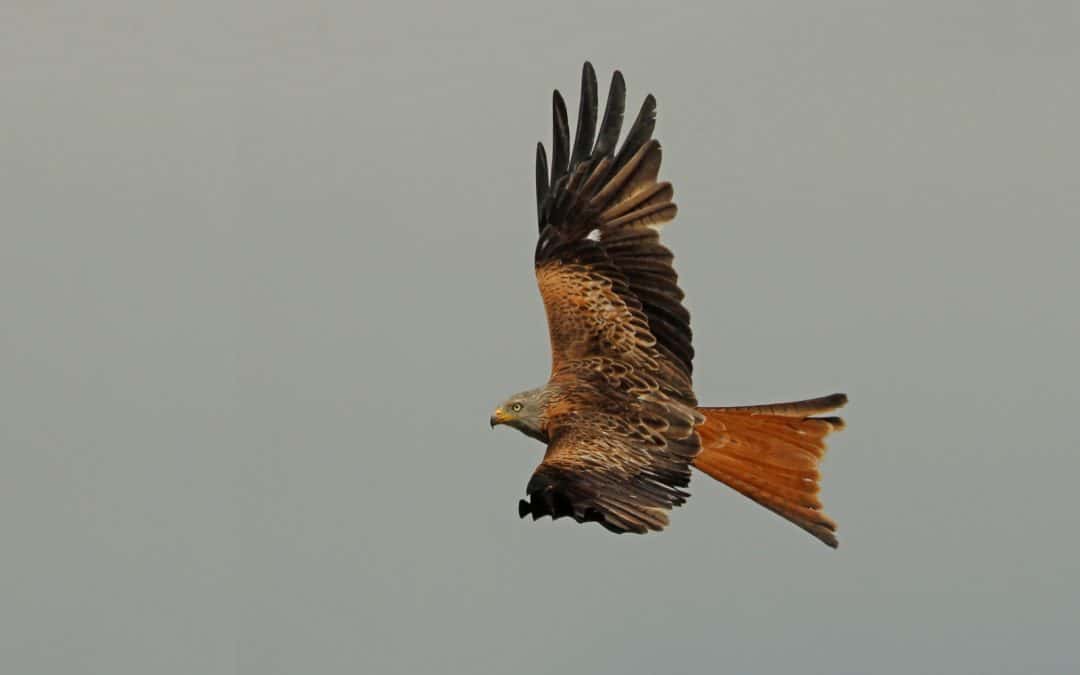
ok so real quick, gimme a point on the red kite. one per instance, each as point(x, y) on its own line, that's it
point(618, 414)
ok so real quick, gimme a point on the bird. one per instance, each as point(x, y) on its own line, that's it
point(618, 414)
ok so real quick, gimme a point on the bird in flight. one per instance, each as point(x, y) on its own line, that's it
point(618, 414)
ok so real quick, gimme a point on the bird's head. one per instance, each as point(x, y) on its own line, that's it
point(524, 412)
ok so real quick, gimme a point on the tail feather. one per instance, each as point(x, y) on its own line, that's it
point(771, 453)
point(812, 406)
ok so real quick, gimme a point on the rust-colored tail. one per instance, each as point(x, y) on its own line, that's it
point(770, 453)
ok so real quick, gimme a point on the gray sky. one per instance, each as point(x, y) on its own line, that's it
point(266, 268)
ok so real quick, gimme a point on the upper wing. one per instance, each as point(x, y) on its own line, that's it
point(622, 466)
point(608, 284)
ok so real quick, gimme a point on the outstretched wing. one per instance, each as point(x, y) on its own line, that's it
point(599, 213)
point(622, 440)
point(623, 469)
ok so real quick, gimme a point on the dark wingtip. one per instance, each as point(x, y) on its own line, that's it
point(541, 182)
point(557, 101)
point(560, 145)
point(586, 124)
point(613, 117)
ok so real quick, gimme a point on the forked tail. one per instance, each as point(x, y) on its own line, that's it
point(770, 453)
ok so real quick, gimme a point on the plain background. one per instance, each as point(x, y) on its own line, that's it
point(265, 269)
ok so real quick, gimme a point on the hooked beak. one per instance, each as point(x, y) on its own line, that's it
point(498, 417)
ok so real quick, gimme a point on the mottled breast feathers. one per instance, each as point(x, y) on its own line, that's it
point(621, 413)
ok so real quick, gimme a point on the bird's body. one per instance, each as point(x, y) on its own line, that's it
point(619, 414)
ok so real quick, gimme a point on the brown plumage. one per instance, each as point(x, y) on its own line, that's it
point(618, 413)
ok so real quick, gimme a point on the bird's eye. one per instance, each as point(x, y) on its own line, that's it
point(516, 407)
